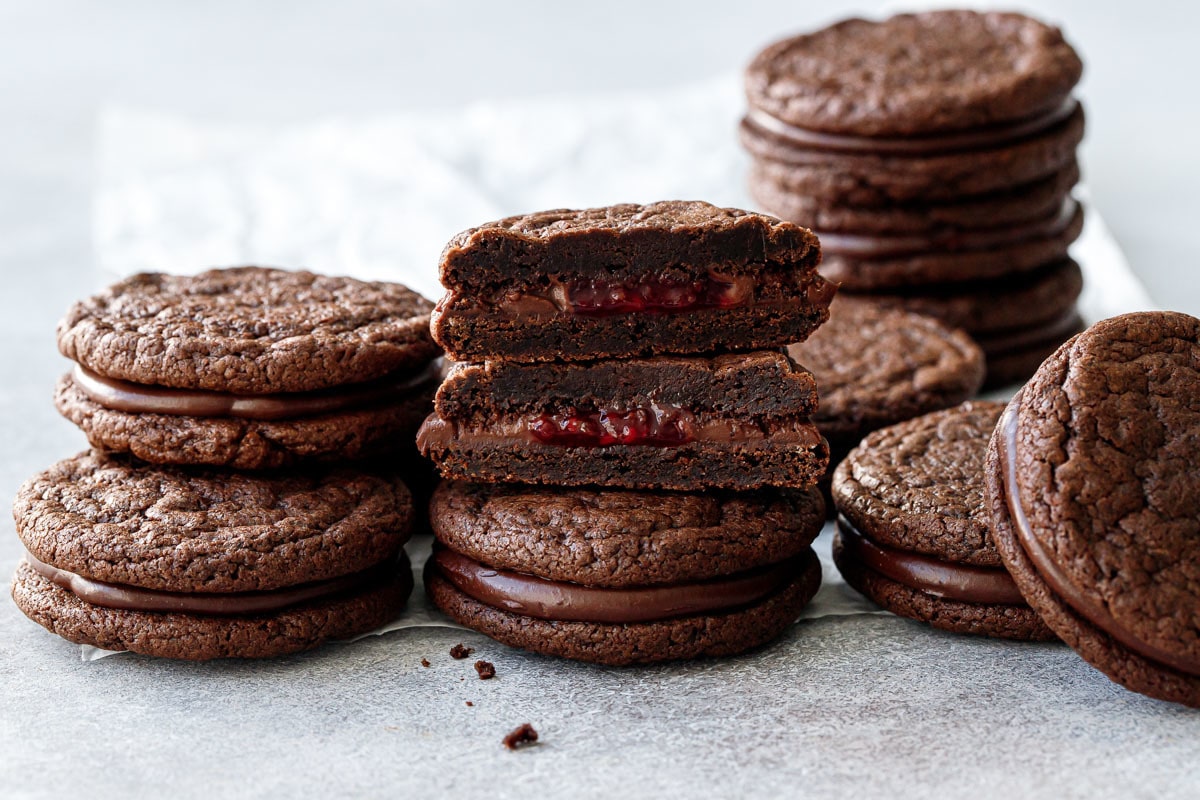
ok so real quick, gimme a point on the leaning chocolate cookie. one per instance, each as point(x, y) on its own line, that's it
point(623, 577)
point(248, 367)
point(1093, 493)
point(195, 564)
point(913, 530)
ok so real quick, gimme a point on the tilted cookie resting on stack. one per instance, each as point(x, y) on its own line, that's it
point(934, 155)
point(630, 465)
point(151, 543)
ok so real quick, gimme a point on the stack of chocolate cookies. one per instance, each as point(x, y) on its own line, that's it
point(630, 454)
point(934, 155)
point(161, 540)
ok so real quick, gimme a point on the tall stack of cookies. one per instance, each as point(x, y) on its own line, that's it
point(934, 155)
point(217, 515)
point(629, 451)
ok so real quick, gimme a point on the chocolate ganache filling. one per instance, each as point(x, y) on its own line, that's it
point(139, 398)
point(966, 583)
point(1089, 606)
point(135, 598)
point(977, 139)
point(531, 596)
point(649, 426)
point(658, 294)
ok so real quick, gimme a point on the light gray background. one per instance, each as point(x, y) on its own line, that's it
point(367, 719)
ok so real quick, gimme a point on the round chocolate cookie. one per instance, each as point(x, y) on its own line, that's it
point(1022, 204)
point(872, 263)
point(196, 564)
point(621, 577)
point(986, 307)
point(620, 644)
point(250, 368)
point(618, 538)
point(1093, 493)
point(876, 366)
point(913, 529)
point(248, 330)
point(915, 74)
point(874, 176)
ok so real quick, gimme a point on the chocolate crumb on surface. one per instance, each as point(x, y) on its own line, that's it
point(521, 737)
point(485, 669)
point(460, 651)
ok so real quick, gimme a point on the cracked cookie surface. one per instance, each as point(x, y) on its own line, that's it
point(248, 330)
point(192, 530)
point(1103, 469)
point(915, 73)
point(919, 485)
point(617, 538)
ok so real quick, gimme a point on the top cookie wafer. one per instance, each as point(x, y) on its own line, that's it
point(915, 74)
point(628, 280)
point(248, 330)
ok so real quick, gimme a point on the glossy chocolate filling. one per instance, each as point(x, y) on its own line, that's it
point(870, 246)
point(139, 398)
point(966, 583)
point(134, 598)
point(977, 139)
point(1089, 606)
point(531, 596)
point(437, 434)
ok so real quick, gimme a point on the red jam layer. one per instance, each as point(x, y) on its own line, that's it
point(599, 297)
point(654, 425)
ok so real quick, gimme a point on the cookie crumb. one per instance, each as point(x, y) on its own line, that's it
point(521, 737)
point(470, 704)
point(459, 652)
point(486, 670)
point(424, 662)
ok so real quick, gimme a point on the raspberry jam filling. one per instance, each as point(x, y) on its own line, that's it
point(653, 425)
point(598, 297)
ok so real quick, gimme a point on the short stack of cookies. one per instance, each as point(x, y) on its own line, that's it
point(218, 514)
point(1070, 513)
point(629, 453)
point(934, 155)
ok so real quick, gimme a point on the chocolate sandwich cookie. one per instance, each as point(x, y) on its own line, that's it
point(868, 262)
point(983, 308)
point(872, 172)
point(628, 280)
point(1093, 493)
point(248, 367)
point(197, 564)
point(623, 577)
point(914, 533)
point(875, 367)
point(728, 422)
point(1013, 207)
point(915, 75)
